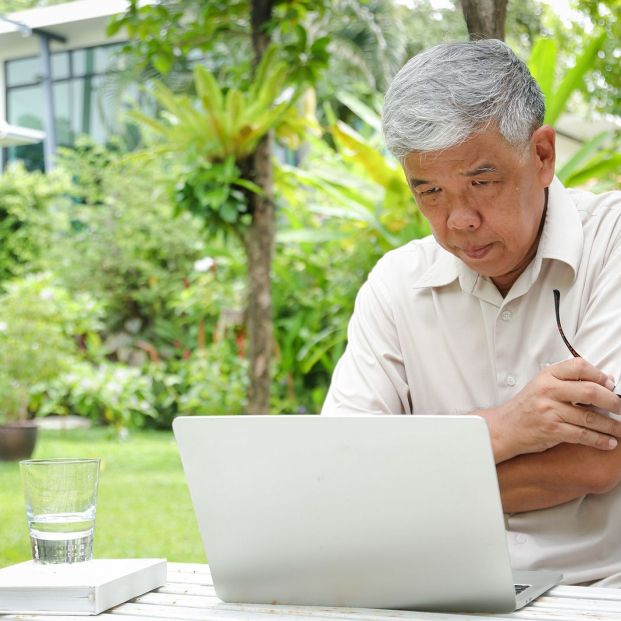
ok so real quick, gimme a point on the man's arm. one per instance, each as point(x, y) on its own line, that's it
point(558, 475)
point(544, 413)
point(549, 450)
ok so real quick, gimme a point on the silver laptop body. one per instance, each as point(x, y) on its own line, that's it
point(398, 512)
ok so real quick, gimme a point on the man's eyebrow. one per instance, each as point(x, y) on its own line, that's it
point(416, 182)
point(484, 168)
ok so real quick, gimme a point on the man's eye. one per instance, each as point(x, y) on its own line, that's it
point(430, 191)
point(480, 182)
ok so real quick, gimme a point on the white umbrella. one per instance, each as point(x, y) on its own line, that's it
point(11, 135)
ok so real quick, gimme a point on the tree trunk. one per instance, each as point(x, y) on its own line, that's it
point(259, 251)
point(260, 245)
point(485, 19)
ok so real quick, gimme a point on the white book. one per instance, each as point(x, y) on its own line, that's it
point(78, 588)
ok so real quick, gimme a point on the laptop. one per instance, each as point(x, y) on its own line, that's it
point(394, 512)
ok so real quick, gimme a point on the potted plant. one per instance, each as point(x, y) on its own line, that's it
point(18, 433)
point(37, 320)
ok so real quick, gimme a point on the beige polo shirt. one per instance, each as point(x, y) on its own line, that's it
point(430, 336)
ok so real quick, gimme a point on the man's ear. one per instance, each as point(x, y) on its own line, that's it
point(543, 144)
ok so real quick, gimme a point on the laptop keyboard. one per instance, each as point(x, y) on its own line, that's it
point(520, 587)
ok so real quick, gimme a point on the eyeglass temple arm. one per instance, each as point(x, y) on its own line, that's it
point(557, 303)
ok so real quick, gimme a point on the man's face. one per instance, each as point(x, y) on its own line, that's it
point(484, 200)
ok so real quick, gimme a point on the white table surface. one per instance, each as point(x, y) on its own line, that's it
point(189, 594)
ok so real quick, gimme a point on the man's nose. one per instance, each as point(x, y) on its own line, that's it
point(463, 215)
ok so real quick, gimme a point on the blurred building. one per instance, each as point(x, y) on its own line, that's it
point(58, 62)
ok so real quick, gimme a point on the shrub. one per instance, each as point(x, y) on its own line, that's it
point(26, 201)
point(40, 324)
point(107, 393)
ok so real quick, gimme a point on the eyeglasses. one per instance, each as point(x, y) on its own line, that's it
point(557, 303)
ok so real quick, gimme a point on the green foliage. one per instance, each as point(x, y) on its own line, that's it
point(543, 63)
point(167, 38)
point(356, 191)
point(229, 122)
point(122, 244)
point(597, 161)
point(112, 394)
point(598, 158)
point(210, 381)
point(213, 193)
point(342, 209)
point(39, 323)
point(26, 204)
point(315, 285)
point(602, 87)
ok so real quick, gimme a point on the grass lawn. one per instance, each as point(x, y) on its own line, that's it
point(143, 506)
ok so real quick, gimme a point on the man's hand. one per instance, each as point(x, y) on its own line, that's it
point(546, 412)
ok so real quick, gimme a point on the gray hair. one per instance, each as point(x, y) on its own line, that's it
point(445, 94)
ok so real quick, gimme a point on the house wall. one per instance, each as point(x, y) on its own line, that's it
point(78, 34)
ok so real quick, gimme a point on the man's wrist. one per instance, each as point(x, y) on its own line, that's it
point(499, 436)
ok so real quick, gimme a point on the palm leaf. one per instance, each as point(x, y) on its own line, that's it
point(586, 152)
point(542, 65)
point(207, 88)
point(364, 112)
point(573, 78)
point(608, 165)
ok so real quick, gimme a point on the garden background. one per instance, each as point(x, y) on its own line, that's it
point(206, 260)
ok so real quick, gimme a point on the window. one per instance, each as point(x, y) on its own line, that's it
point(80, 102)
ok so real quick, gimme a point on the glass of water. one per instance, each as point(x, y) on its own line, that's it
point(61, 497)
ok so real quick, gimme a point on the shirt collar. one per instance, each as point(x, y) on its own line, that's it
point(561, 239)
point(443, 271)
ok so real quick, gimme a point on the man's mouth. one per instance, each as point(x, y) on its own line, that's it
point(476, 252)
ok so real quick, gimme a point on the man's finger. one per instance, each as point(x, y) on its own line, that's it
point(588, 437)
point(578, 369)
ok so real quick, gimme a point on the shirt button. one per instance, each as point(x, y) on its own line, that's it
point(506, 315)
point(520, 539)
point(510, 380)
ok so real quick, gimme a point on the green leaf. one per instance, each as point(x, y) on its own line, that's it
point(542, 65)
point(609, 166)
point(573, 79)
point(369, 116)
point(268, 58)
point(207, 88)
point(249, 185)
point(162, 62)
point(229, 213)
point(586, 152)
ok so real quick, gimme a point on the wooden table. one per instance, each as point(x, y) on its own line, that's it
point(189, 594)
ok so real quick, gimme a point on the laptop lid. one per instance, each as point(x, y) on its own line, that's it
point(397, 512)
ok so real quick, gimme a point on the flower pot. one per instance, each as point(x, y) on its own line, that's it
point(17, 440)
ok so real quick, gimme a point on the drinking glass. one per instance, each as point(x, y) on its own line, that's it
point(61, 499)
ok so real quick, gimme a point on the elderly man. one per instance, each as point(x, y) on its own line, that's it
point(463, 322)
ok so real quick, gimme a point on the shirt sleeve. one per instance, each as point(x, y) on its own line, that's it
point(599, 333)
point(370, 376)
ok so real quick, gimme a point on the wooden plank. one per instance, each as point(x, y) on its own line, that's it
point(178, 599)
point(104, 616)
point(530, 613)
point(187, 589)
point(188, 568)
point(190, 578)
point(228, 612)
